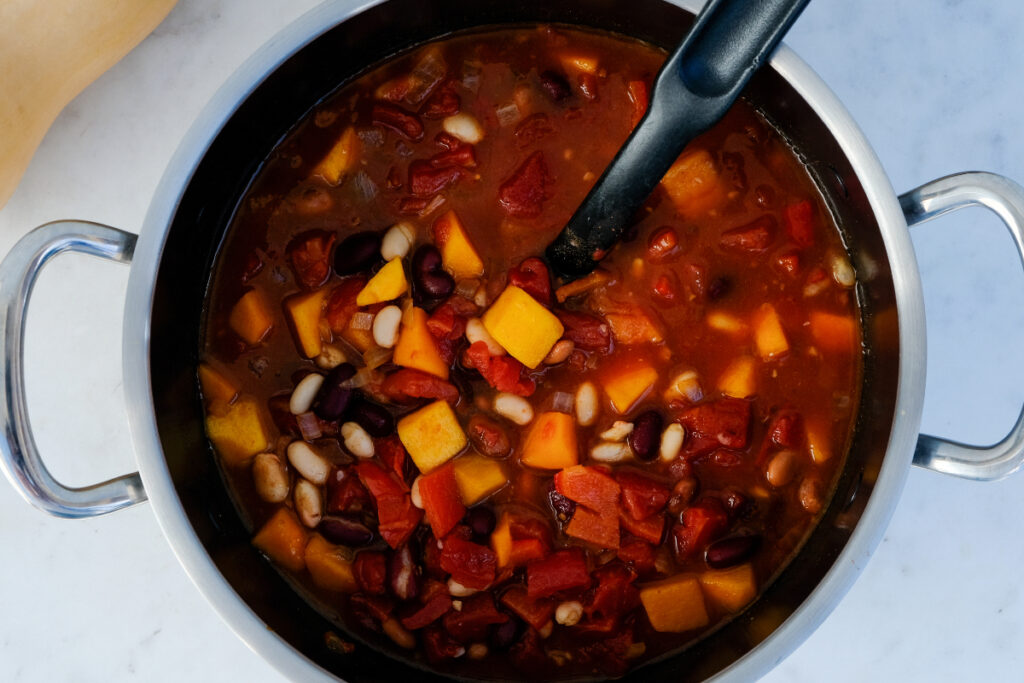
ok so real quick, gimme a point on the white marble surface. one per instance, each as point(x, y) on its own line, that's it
point(936, 87)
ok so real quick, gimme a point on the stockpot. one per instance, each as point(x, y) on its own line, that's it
point(172, 258)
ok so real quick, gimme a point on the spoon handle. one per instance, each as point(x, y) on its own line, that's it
point(729, 41)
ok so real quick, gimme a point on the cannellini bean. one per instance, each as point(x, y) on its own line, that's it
point(458, 590)
point(399, 634)
point(569, 613)
point(308, 503)
point(781, 468)
point(810, 495)
point(475, 331)
point(464, 127)
point(618, 431)
point(586, 404)
point(397, 241)
point(515, 408)
point(308, 462)
point(414, 493)
point(611, 451)
point(385, 326)
point(671, 442)
point(842, 271)
point(330, 357)
point(476, 651)
point(562, 349)
point(270, 477)
point(304, 393)
point(357, 440)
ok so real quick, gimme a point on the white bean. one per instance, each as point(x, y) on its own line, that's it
point(515, 408)
point(609, 451)
point(397, 241)
point(618, 431)
point(562, 349)
point(842, 271)
point(569, 613)
point(475, 331)
point(304, 393)
point(357, 441)
point(308, 503)
point(270, 477)
point(464, 127)
point(671, 442)
point(385, 326)
point(586, 404)
point(458, 590)
point(414, 493)
point(330, 357)
point(308, 462)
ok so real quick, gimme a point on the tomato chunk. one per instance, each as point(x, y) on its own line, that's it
point(725, 422)
point(588, 486)
point(469, 563)
point(559, 571)
point(504, 373)
point(614, 593)
point(703, 522)
point(799, 223)
point(431, 611)
point(524, 193)
point(409, 384)
point(310, 255)
point(441, 503)
point(641, 496)
point(532, 277)
point(535, 612)
point(470, 623)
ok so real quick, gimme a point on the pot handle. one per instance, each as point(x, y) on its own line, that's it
point(19, 457)
point(1006, 199)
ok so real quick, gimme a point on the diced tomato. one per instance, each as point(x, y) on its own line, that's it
point(445, 322)
point(444, 102)
point(788, 262)
point(532, 277)
point(392, 453)
point(409, 384)
point(649, 529)
point(587, 332)
point(504, 373)
point(786, 429)
point(371, 570)
point(425, 179)
point(525, 550)
point(638, 96)
point(397, 119)
point(310, 256)
point(536, 613)
point(562, 570)
point(469, 563)
point(725, 422)
point(341, 305)
point(470, 623)
point(463, 156)
point(380, 482)
point(702, 523)
point(524, 193)
point(345, 493)
point(800, 223)
point(428, 613)
point(589, 486)
point(600, 529)
point(614, 593)
point(638, 554)
point(756, 235)
point(439, 646)
point(397, 519)
point(641, 496)
point(441, 503)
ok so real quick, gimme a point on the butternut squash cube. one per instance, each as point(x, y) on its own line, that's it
point(239, 433)
point(432, 435)
point(387, 285)
point(731, 589)
point(283, 538)
point(551, 442)
point(817, 440)
point(251, 318)
point(694, 183)
point(340, 158)
point(738, 380)
point(458, 255)
point(627, 383)
point(477, 477)
point(304, 311)
point(328, 566)
point(416, 347)
point(725, 322)
point(768, 333)
point(501, 540)
point(675, 604)
point(833, 332)
point(218, 390)
point(577, 63)
point(522, 326)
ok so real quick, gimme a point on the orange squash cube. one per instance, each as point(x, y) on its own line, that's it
point(328, 566)
point(283, 539)
point(738, 380)
point(817, 440)
point(340, 158)
point(387, 284)
point(627, 382)
point(458, 255)
point(731, 589)
point(551, 442)
point(416, 347)
point(522, 326)
point(833, 332)
point(768, 333)
point(304, 312)
point(694, 183)
point(239, 433)
point(432, 435)
point(218, 390)
point(250, 317)
point(675, 604)
point(477, 477)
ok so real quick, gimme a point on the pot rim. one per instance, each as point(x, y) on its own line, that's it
point(156, 477)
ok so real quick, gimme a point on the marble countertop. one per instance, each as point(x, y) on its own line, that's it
point(936, 87)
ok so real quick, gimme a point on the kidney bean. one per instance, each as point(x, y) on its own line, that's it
point(646, 435)
point(371, 571)
point(532, 277)
point(729, 552)
point(345, 530)
point(682, 494)
point(719, 287)
point(662, 244)
point(555, 85)
point(357, 253)
point(756, 235)
point(403, 577)
point(397, 119)
point(505, 635)
point(489, 437)
point(429, 278)
point(425, 179)
point(345, 493)
point(332, 399)
point(481, 522)
point(374, 418)
point(563, 507)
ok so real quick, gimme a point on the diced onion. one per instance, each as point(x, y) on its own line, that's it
point(361, 320)
point(309, 426)
point(508, 114)
point(366, 189)
point(376, 357)
point(563, 402)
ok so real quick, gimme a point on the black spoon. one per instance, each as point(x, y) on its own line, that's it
point(729, 41)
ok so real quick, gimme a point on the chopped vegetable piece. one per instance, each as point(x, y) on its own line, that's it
point(768, 334)
point(583, 285)
point(340, 158)
point(470, 623)
point(522, 326)
point(650, 529)
point(833, 332)
point(641, 495)
point(240, 433)
point(588, 486)
point(516, 541)
point(627, 381)
point(471, 564)
point(504, 373)
point(551, 442)
point(817, 441)
point(559, 571)
point(535, 612)
point(675, 604)
point(694, 183)
point(416, 347)
point(434, 609)
point(217, 388)
point(532, 277)
point(739, 379)
point(304, 311)
point(251, 318)
point(440, 495)
point(458, 255)
point(800, 223)
point(408, 384)
point(615, 593)
point(598, 528)
point(328, 566)
point(478, 477)
point(283, 539)
point(432, 435)
point(731, 589)
point(724, 322)
point(703, 522)
point(387, 285)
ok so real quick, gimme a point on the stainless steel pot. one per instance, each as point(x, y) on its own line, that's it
point(210, 171)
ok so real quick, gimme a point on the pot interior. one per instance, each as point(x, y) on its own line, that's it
point(266, 117)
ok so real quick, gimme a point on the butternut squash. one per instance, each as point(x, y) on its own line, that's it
point(49, 52)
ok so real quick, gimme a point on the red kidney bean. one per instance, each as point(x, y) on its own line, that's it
point(332, 399)
point(682, 494)
point(754, 236)
point(345, 493)
point(403, 574)
point(488, 436)
point(481, 522)
point(662, 244)
point(345, 530)
point(430, 280)
point(357, 253)
point(646, 435)
point(426, 179)
point(729, 552)
point(375, 419)
point(532, 276)
point(563, 507)
point(555, 85)
point(397, 119)
point(371, 571)
point(505, 635)
point(719, 287)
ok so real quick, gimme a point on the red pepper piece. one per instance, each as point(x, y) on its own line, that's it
point(614, 593)
point(600, 529)
point(446, 323)
point(381, 483)
point(341, 305)
point(650, 528)
point(641, 496)
point(532, 277)
point(431, 611)
point(469, 563)
point(638, 554)
point(392, 453)
point(562, 570)
point(441, 503)
point(371, 570)
point(504, 373)
point(524, 193)
point(755, 236)
point(589, 486)
point(724, 422)
point(310, 256)
point(470, 623)
point(703, 522)
point(397, 119)
point(439, 646)
point(408, 384)
point(425, 179)
point(398, 519)
point(345, 493)
point(587, 332)
point(800, 223)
